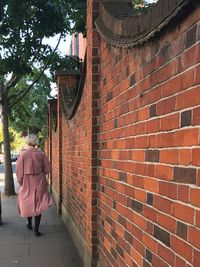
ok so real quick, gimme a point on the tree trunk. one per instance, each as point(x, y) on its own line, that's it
point(9, 182)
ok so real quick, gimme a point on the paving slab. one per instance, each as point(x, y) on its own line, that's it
point(19, 246)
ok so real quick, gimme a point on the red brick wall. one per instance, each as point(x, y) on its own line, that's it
point(149, 176)
point(55, 163)
point(78, 153)
point(129, 158)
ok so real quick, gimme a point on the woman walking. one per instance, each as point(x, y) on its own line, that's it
point(31, 169)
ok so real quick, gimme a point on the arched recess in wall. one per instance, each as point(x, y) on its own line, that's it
point(126, 29)
point(53, 114)
point(71, 95)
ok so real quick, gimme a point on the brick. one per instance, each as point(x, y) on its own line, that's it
point(136, 257)
point(143, 114)
point(152, 155)
point(186, 137)
point(167, 222)
point(197, 222)
point(179, 262)
point(138, 155)
point(183, 212)
point(165, 140)
point(119, 250)
point(194, 236)
point(196, 258)
point(158, 262)
point(196, 116)
point(169, 156)
point(186, 118)
point(196, 157)
point(184, 175)
point(153, 126)
point(132, 80)
point(188, 78)
point(189, 98)
point(168, 189)
point(109, 96)
point(135, 205)
point(149, 228)
point(136, 232)
point(148, 255)
point(128, 237)
point(162, 204)
point(152, 110)
point(150, 213)
point(140, 128)
point(183, 193)
point(163, 74)
point(166, 106)
point(123, 176)
point(150, 199)
point(172, 86)
point(195, 196)
point(149, 242)
point(185, 157)
point(189, 58)
point(198, 178)
point(162, 235)
point(140, 195)
point(164, 172)
point(182, 230)
point(150, 170)
point(166, 254)
point(181, 248)
point(197, 80)
point(169, 122)
point(191, 36)
point(141, 168)
point(150, 184)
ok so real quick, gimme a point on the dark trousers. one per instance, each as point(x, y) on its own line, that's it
point(37, 222)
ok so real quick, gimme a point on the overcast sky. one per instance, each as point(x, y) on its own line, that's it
point(63, 46)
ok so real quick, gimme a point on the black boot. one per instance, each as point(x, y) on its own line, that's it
point(37, 224)
point(29, 224)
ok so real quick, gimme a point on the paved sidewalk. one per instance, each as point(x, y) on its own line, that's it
point(19, 247)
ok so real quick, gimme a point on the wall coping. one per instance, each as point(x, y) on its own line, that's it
point(126, 29)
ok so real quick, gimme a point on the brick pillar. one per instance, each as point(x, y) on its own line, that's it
point(52, 108)
point(66, 80)
point(60, 82)
point(92, 80)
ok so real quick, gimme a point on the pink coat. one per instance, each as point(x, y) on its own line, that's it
point(31, 169)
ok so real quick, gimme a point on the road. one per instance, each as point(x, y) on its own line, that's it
point(2, 177)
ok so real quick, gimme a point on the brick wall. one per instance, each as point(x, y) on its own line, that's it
point(77, 194)
point(149, 176)
point(129, 160)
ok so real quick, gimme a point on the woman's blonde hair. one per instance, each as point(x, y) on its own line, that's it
point(32, 140)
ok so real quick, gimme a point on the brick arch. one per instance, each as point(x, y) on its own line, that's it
point(120, 26)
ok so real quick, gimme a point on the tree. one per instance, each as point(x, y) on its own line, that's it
point(24, 24)
point(76, 11)
point(30, 114)
point(141, 6)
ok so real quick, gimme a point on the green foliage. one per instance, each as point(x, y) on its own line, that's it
point(24, 24)
point(59, 63)
point(16, 140)
point(76, 11)
point(30, 113)
point(142, 6)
